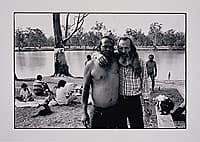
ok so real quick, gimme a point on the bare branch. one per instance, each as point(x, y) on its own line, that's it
point(66, 30)
point(79, 24)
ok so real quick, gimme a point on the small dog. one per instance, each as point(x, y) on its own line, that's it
point(165, 105)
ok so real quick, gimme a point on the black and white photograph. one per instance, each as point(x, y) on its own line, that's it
point(99, 70)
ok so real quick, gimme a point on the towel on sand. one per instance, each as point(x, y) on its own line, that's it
point(29, 103)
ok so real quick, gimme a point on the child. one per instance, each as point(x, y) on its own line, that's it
point(25, 93)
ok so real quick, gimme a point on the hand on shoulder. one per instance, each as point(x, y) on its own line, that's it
point(100, 59)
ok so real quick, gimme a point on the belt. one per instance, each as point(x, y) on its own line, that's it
point(104, 109)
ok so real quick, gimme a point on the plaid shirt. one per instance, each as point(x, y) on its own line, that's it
point(129, 85)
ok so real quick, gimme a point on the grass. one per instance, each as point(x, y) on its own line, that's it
point(70, 116)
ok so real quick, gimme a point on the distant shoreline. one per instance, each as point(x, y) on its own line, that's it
point(159, 48)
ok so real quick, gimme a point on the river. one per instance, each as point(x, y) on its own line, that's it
point(29, 64)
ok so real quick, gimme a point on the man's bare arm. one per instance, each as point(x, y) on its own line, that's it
point(87, 82)
point(155, 66)
point(86, 86)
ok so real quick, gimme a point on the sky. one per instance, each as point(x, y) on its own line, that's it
point(116, 22)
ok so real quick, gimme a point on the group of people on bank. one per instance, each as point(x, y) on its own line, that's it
point(62, 96)
point(117, 81)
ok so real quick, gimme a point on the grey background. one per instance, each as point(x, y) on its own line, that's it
point(7, 131)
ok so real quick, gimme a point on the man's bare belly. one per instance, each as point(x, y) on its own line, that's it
point(105, 86)
point(105, 96)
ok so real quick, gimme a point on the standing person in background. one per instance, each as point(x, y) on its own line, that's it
point(151, 70)
point(169, 75)
point(88, 59)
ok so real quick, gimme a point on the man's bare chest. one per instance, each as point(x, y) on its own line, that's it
point(103, 73)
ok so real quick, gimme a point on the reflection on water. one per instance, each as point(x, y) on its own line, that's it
point(29, 64)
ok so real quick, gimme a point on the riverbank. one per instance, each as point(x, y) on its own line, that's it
point(70, 116)
point(158, 48)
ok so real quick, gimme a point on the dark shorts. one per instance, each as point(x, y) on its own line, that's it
point(40, 93)
point(151, 75)
point(105, 117)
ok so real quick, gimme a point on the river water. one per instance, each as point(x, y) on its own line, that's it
point(29, 64)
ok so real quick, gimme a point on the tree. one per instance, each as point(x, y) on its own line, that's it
point(36, 38)
point(180, 39)
point(19, 38)
point(147, 41)
point(77, 39)
point(98, 31)
point(89, 39)
point(31, 37)
point(137, 36)
point(113, 35)
point(75, 27)
point(50, 41)
point(61, 66)
point(169, 37)
point(154, 30)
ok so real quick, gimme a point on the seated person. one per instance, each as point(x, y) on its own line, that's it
point(25, 93)
point(64, 92)
point(47, 110)
point(40, 88)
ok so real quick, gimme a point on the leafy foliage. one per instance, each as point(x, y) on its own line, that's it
point(36, 38)
point(31, 37)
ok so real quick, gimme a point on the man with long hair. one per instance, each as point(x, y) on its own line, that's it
point(131, 75)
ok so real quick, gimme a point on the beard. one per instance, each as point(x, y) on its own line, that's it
point(125, 59)
point(125, 56)
point(107, 54)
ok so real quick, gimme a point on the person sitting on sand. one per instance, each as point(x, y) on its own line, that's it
point(25, 93)
point(64, 92)
point(45, 104)
point(40, 88)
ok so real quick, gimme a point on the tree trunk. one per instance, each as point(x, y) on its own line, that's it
point(61, 67)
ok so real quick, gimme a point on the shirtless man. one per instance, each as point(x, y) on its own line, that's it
point(151, 70)
point(104, 82)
